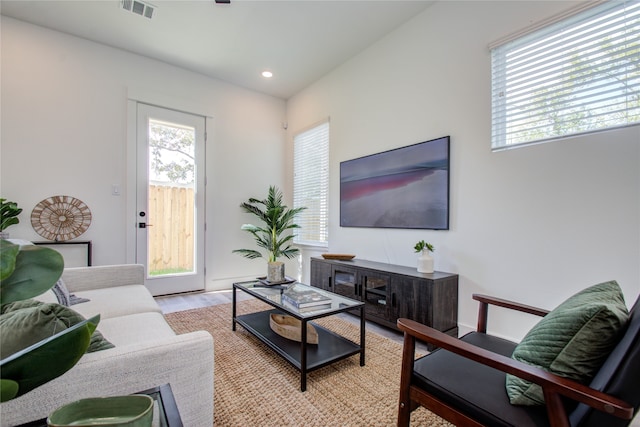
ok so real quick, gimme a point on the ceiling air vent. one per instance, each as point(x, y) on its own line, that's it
point(138, 7)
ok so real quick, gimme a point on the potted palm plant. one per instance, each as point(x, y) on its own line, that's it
point(271, 236)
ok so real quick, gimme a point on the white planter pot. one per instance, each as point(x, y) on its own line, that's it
point(425, 262)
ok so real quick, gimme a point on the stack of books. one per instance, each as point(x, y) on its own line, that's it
point(305, 300)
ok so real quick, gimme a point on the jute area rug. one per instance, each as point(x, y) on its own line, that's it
point(256, 387)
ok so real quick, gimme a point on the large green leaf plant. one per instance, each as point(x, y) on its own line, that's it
point(26, 272)
point(276, 218)
point(9, 212)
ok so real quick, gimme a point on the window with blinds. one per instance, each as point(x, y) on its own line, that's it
point(575, 76)
point(311, 185)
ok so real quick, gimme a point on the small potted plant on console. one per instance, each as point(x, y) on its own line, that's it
point(425, 260)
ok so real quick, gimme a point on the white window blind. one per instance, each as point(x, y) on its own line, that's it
point(311, 185)
point(578, 75)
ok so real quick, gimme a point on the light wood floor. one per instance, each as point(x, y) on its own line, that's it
point(180, 302)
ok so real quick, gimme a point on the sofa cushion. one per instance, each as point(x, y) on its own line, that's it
point(48, 296)
point(24, 323)
point(136, 328)
point(572, 341)
point(117, 301)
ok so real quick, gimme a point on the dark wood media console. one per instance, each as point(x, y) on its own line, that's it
point(392, 291)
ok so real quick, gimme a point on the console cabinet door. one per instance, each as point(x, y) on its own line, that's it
point(410, 299)
point(321, 275)
point(345, 281)
point(374, 291)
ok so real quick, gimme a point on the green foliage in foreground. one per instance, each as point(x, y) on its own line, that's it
point(27, 272)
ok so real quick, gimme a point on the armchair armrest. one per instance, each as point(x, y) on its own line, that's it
point(483, 309)
point(552, 385)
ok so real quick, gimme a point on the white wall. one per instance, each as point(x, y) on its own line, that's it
point(535, 224)
point(64, 131)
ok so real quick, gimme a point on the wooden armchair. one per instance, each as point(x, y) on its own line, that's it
point(464, 380)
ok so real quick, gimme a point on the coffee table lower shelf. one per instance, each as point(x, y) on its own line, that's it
point(331, 347)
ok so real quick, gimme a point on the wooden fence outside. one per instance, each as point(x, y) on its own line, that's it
point(171, 239)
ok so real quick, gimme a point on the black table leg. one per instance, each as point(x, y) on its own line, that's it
point(233, 304)
point(303, 356)
point(362, 335)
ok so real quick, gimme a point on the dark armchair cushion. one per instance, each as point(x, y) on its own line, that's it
point(475, 389)
point(572, 341)
point(618, 376)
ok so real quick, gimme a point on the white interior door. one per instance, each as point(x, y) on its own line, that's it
point(170, 199)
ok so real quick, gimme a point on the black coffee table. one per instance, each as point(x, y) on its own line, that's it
point(305, 357)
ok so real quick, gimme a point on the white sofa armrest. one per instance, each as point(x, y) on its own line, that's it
point(87, 278)
point(183, 361)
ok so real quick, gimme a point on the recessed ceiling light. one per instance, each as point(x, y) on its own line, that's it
point(267, 74)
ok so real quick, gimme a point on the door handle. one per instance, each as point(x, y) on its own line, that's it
point(143, 224)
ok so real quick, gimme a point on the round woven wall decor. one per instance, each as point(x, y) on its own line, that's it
point(60, 218)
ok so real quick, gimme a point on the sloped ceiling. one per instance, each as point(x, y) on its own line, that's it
point(298, 40)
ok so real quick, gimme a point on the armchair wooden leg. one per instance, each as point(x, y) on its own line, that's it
point(555, 409)
point(404, 415)
point(404, 404)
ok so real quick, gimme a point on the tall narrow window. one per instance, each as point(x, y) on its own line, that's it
point(311, 185)
point(577, 75)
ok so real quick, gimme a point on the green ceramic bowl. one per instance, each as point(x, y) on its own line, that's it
point(135, 410)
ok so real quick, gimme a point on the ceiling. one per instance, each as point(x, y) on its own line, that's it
point(298, 40)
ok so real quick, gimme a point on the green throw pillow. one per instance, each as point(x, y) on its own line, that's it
point(572, 341)
point(24, 323)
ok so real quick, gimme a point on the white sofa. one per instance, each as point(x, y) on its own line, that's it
point(147, 352)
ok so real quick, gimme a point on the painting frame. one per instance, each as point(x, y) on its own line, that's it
point(405, 188)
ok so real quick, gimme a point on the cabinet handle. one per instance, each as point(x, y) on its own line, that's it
point(330, 281)
point(393, 299)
